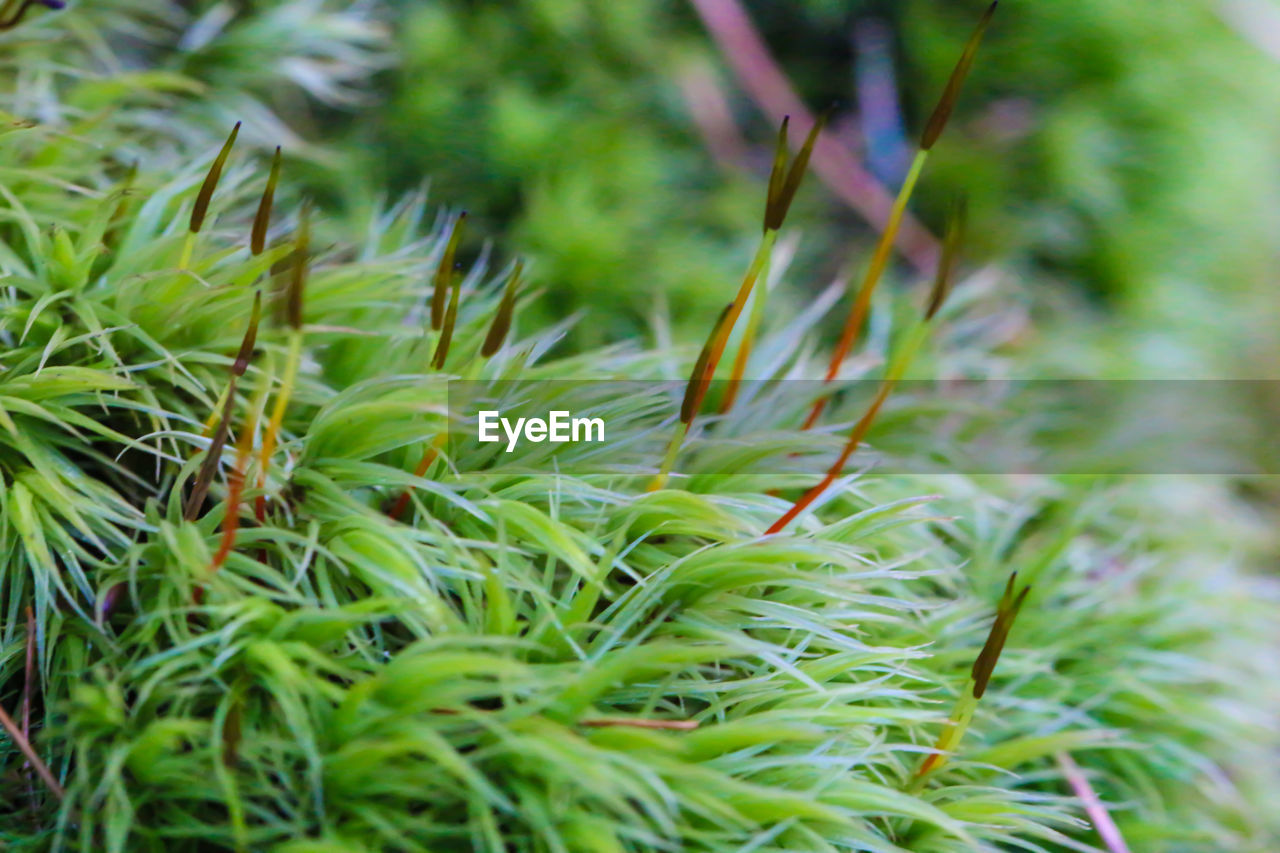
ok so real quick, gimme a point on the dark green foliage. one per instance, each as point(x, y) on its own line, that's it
point(551, 123)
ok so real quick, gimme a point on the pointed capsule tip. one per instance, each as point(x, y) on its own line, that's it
point(205, 195)
point(250, 338)
point(1006, 614)
point(784, 181)
point(946, 104)
point(444, 272)
point(501, 326)
point(262, 219)
point(777, 175)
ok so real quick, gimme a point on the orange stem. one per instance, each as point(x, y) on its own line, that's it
point(402, 503)
point(855, 438)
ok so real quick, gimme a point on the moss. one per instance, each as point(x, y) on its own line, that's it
point(516, 659)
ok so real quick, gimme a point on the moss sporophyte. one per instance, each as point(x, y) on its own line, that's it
point(13, 11)
point(559, 427)
point(880, 258)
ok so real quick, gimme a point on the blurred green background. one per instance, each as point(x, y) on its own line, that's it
point(1121, 158)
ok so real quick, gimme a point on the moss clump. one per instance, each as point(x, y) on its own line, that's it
point(516, 658)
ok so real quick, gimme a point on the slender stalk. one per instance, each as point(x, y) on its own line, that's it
point(287, 383)
point(784, 183)
point(24, 746)
point(694, 390)
point(260, 406)
point(188, 246)
point(898, 363)
point(293, 315)
point(754, 322)
point(215, 415)
point(201, 208)
point(875, 270)
point(660, 479)
point(979, 677)
point(884, 248)
point(897, 367)
point(957, 724)
point(209, 467)
point(204, 478)
point(757, 272)
point(745, 51)
point(235, 490)
point(759, 265)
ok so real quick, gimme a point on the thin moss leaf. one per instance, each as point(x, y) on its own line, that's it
point(535, 621)
point(947, 103)
point(211, 182)
point(111, 238)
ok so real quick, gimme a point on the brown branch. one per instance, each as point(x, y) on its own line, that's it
point(24, 746)
point(746, 52)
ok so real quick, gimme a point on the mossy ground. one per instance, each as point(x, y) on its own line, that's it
point(454, 678)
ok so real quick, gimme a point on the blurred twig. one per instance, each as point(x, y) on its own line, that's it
point(1093, 807)
point(747, 54)
point(711, 114)
point(24, 746)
